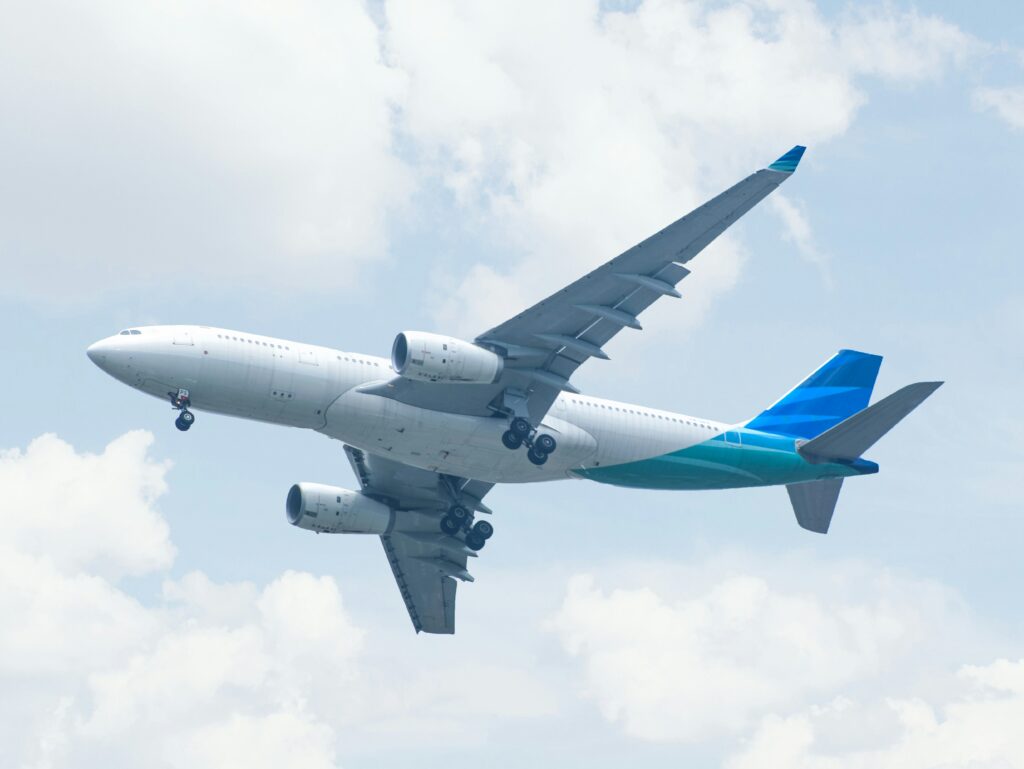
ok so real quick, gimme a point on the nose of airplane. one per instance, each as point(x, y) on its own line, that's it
point(101, 352)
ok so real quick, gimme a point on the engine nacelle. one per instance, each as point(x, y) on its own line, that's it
point(435, 358)
point(332, 510)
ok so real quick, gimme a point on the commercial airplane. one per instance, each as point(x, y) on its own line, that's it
point(429, 432)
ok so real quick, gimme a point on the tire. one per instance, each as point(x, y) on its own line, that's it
point(181, 424)
point(483, 529)
point(520, 427)
point(450, 526)
point(510, 440)
point(458, 513)
point(474, 541)
point(187, 417)
point(537, 457)
point(545, 443)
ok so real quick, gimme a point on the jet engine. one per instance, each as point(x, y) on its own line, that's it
point(332, 510)
point(435, 358)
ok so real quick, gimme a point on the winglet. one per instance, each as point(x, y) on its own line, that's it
point(788, 162)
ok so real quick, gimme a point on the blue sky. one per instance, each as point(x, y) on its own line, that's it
point(336, 175)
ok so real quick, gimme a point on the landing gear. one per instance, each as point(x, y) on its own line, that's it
point(521, 432)
point(459, 514)
point(545, 443)
point(180, 401)
point(536, 456)
point(484, 529)
point(460, 519)
point(521, 428)
point(510, 440)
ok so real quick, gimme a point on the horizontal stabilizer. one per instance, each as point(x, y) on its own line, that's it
point(849, 439)
point(814, 502)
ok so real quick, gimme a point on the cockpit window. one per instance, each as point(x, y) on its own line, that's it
point(126, 332)
point(135, 331)
point(129, 332)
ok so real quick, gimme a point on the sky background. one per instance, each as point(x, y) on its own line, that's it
point(338, 172)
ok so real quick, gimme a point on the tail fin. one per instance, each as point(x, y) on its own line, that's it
point(852, 437)
point(837, 390)
point(814, 502)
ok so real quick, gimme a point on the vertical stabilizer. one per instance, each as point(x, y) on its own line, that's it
point(814, 502)
point(837, 390)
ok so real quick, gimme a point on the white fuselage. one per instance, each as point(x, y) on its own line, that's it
point(301, 385)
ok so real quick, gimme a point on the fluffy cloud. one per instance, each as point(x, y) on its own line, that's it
point(978, 728)
point(810, 662)
point(203, 674)
point(251, 142)
point(86, 511)
point(719, 646)
point(211, 675)
point(261, 144)
point(569, 133)
point(1007, 103)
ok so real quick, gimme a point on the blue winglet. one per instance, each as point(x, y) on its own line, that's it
point(788, 162)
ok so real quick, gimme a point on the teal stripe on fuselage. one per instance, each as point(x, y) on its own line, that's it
point(748, 458)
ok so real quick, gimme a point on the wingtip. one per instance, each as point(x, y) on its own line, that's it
point(788, 162)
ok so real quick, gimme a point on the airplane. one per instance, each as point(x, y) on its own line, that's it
point(429, 432)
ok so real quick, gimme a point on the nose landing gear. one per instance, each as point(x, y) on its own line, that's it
point(180, 401)
point(521, 432)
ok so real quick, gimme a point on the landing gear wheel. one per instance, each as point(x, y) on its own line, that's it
point(187, 417)
point(545, 443)
point(482, 529)
point(459, 514)
point(537, 457)
point(182, 424)
point(520, 427)
point(474, 541)
point(450, 526)
point(511, 440)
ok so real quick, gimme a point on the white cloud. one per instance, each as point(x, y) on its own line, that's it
point(979, 727)
point(282, 740)
point(86, 511)
point(207, 674)
point(702, 657)
point(903, 46)
point(259, 144)
point(570, 134)
point(1007, 103)
point(798, 228)
point(823, 664)
point(236, 142)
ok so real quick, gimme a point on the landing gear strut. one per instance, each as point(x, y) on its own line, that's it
point(180, 401)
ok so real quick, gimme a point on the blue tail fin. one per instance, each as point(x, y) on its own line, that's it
point(837, 390)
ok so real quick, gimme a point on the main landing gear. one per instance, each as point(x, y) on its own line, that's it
point(459, 518)
point(180, 401)
point(520, 432)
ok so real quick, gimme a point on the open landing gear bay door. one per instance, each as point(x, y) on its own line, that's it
point(426, 562)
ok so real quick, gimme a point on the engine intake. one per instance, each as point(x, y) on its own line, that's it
point(333, 510)
point(435, 358)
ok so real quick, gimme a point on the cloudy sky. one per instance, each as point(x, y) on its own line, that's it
point(337, 172)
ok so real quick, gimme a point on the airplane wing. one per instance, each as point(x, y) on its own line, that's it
point(426, 562)
point(544, 345)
